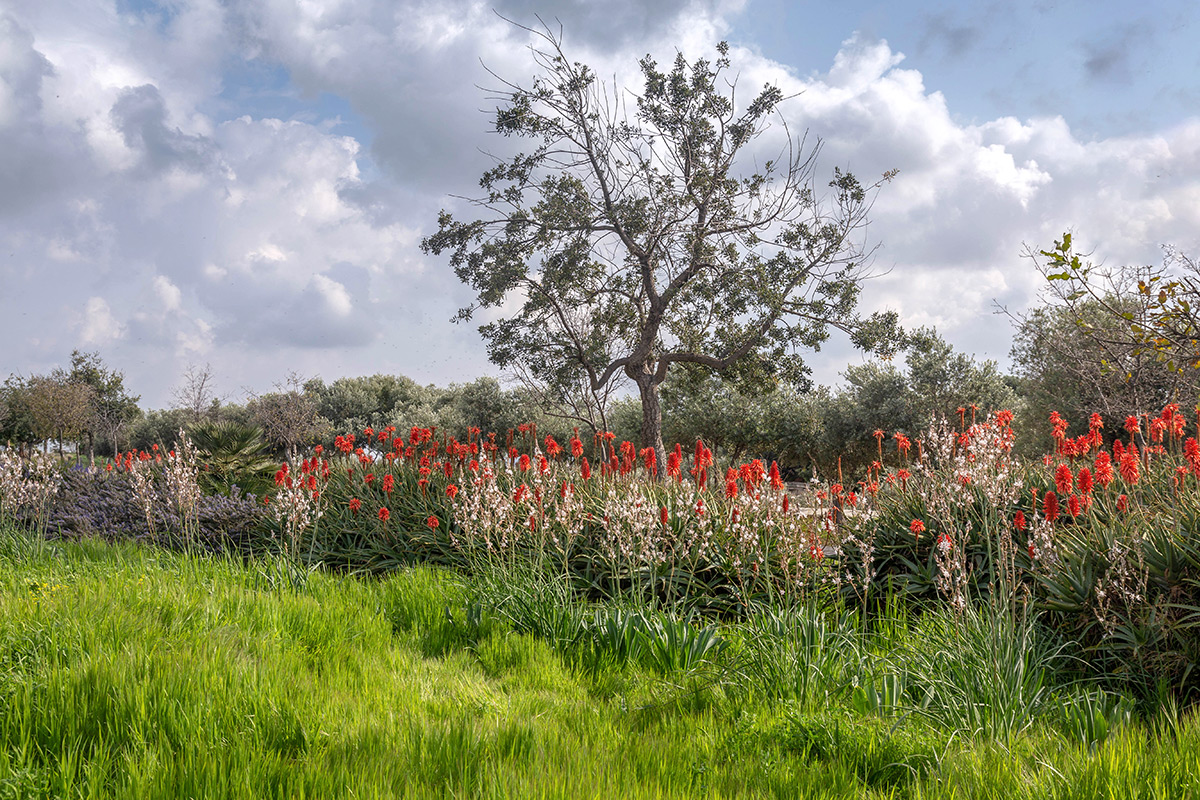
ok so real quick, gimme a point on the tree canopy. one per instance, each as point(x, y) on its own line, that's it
point(625, 241)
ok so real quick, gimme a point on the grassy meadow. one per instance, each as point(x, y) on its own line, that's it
point(133, 671)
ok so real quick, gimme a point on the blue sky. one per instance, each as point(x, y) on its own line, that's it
point(1110, 68)
point(245, 183)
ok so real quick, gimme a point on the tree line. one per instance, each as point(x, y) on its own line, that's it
point(1057, 365)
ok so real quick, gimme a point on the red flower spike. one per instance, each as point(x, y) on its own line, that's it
point(1050, 506)
point(1063, 479)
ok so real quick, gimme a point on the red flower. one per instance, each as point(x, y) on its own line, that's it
point(1019, 520)
point(1129, 466)
point(452, 491)
point(355, 505)
point(674, 460)
point(1063, 480)
point(384, 514)
point(319, 449)
point(523, 463)
point(650, 460)
point(917, 527)
point(1004, 417)
point(1095, 422)
point(1132, 425)
point(1122, 503)
point(664, 516)
point(389, 482)
point(1050, 506)
point(776, 479)
point(1074, 505)
point(520, 493)
point(786, 503)
point(369, 478)
point(1104, 470)
point(553, 448)
point(1085, 481)
point(585, 469)
point(1058, 426)
point(576, 447)
point(432, 522)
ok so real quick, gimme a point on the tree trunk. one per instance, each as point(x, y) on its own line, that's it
point(651, 433)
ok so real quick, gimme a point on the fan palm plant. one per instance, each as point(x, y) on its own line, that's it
point(233, 454)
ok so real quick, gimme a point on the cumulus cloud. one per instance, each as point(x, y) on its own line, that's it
point(147, 212)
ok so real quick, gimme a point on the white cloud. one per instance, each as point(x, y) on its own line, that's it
point(185, 225)
point(98, 326)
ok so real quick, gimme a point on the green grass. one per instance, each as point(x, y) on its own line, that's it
point(132, 672)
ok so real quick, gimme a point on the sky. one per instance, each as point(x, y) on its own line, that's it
point(245, 183)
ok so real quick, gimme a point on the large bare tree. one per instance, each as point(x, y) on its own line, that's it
point(628, 240)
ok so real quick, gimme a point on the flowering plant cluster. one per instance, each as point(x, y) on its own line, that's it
point(1103, 532)
point(607, 519)
point(26, 485)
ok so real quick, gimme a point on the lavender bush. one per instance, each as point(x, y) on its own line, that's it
point(106, 505)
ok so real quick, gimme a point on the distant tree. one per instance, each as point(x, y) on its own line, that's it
point(484, 404)
point(941, 381)
point(637, 241)
point(288, 416)
point(113, 409)
point(17, 428)
point(936, 382)
point(349, 405)
point(159, 427)
point(196, 393)
point(61, 410)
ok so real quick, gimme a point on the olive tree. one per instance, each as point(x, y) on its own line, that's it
point(638, 231)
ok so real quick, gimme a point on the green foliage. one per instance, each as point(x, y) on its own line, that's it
point(983, 671)
point(232, 455)
point(808, 655)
